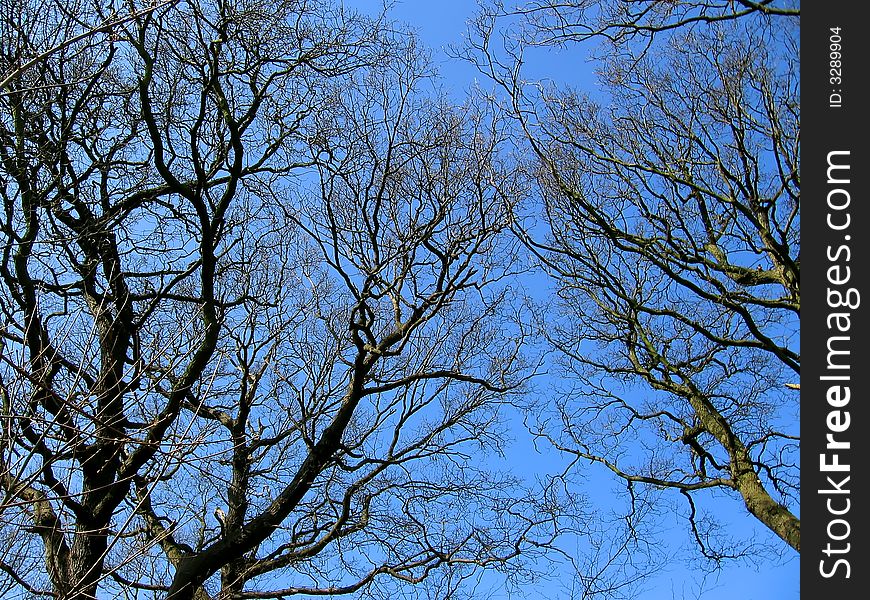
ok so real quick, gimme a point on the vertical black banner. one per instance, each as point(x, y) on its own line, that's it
point(835, 426)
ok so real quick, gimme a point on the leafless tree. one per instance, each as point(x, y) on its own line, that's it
point(35, 31)
point(668, 215)
point(258, 329)
point(624, 23)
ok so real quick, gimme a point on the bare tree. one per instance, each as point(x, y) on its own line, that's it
point(668, 216)
point(625, 24)
point(258, 328)
point(33, 32)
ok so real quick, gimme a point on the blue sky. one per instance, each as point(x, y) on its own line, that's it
point(441, 25)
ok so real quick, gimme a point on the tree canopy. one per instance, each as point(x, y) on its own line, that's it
point(269, 317)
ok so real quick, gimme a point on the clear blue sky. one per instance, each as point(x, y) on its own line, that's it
point(441, 24)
